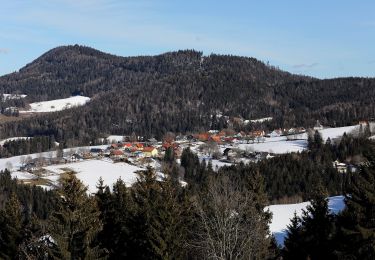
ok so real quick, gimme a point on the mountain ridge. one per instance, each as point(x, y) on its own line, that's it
point(177, 91)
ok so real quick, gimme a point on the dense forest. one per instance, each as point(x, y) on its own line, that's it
point(182, 91)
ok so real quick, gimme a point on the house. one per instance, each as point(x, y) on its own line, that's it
point(340, 167)
point(276, 133)
point(203, 137)
point(137, 154)
point(117, 154)
point(76, 157)
point(114, 146)
point(215, 138)
point(150, 151)
point(167, 145)
point(127, 145)
point(292, 131)
point(96, 151)
point(230, 154)
point(257, 133)
point(222, 133)
point(139, 146)
point(240, 135)
point(363, 123)
point(30, 167)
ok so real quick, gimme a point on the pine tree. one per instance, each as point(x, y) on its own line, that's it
point(311, 236)
point(115, 208)
point(11, 228)
point(358, 219)
point(293, 244)
point(318, 226)
point(158, 220)
point(75, 223)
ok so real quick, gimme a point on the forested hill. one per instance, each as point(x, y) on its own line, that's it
point(176, 91)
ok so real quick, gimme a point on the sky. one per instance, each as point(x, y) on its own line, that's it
point(320, 38)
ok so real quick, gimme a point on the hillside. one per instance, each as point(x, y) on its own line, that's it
point(176, 91)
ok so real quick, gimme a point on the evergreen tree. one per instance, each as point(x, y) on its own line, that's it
point(293, 244)
point(116, 209)
point(158, 220)
point(318, 226)
point(11, 228)
point(357, 223)
point(75, 223)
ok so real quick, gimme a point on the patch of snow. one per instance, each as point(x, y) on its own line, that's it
point(276, 145)
point(23, 175)
point(45, 187)
point(261, 120)
point(57, 104)
point(13, 96)
point(282, 214)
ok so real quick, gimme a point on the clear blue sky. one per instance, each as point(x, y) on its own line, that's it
point(321, 38)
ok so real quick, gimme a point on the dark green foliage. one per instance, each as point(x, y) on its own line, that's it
point(148, 221)
point(293, 248)
point(11, 223)
point(75, 223)
point(34, 200)
point(357, 223)
point(311, 237)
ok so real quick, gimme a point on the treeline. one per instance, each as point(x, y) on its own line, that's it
point(35, 144)
point(177, 92)
point(35, 200)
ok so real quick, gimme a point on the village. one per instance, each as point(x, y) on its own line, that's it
point(219, 147)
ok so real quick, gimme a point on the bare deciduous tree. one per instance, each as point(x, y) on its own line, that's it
point(230, 227)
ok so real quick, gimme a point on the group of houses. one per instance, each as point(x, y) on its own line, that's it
point(229, 136)
point(122, 150)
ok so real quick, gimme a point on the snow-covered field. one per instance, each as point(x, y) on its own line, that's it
point(57, 104)
point(276, 145)
point(90, 171)
point(281, 144)
point(282, 214)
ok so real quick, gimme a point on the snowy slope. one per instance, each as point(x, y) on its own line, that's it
point(282, 214)
point(276, 145)
point(57, 104)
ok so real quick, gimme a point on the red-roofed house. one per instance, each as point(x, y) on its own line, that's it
point(118, 154)
point(150, 151)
